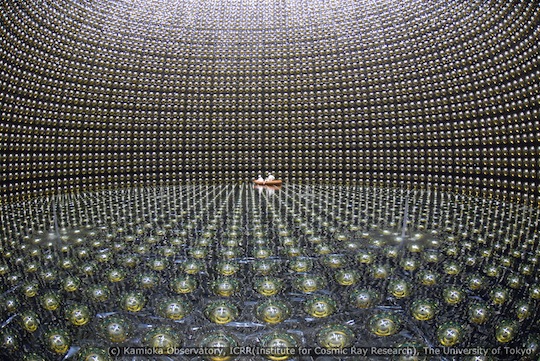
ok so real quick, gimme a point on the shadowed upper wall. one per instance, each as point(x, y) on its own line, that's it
point(418, 94)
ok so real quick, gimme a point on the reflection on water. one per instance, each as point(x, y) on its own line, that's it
point(297, 266)
point(269, 190)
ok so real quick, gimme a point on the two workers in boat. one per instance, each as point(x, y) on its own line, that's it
point(269, 178)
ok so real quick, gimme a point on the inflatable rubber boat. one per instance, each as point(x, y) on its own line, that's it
point(275, 182)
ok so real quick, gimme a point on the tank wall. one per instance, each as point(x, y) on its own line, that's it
point(417, 94)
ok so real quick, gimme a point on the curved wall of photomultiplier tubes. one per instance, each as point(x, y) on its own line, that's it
point(422, 94)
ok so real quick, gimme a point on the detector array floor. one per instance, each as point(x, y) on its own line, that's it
point(222, 272)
